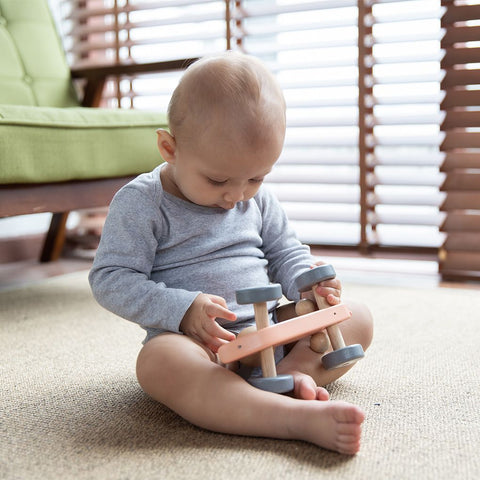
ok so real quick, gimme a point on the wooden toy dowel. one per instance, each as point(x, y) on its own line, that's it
point(321, 301)
point(269, 381)
point(341, 355)
point(336, 337)
point(267, 356)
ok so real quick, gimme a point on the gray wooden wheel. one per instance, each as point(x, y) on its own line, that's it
point(278, 384)
point(343, 356)
point(306, 280)
point(259, 294)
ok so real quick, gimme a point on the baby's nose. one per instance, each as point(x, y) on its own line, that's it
point(234, 196)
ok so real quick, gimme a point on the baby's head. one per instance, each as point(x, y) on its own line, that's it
point(227, 127)
point(230, 97)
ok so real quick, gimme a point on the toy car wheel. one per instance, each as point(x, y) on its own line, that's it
point(278, 384)
point(343, 356)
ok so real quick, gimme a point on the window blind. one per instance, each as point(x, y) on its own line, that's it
point(361, 79)
point(460, 253)
point(98, 31)
point(400, 114)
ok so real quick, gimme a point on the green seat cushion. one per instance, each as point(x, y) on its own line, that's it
point(43, 144)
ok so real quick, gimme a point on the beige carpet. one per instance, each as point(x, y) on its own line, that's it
point(70, 406)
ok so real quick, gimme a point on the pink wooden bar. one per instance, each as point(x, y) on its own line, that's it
point(282, 333)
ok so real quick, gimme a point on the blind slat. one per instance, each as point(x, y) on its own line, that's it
point(287, 174)
point(461, 98)
point(460, 34)
point(461, 119)
point(460, 160)
point(404, 218)
point(460, 13)
point(460, 56)
point(458, 139)
point(462, 180)
point(412, 198)
point(461, 221)
point(457, 201)
point(266, 10)
point(405, 178)
point(459, 77)
point(464, 242)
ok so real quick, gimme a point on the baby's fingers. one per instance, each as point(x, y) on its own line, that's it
point(213, 329)
point(219, 310)
point(214, 336)
point(331, 290)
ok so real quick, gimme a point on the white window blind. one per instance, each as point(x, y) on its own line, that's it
point(362, 83)
point(312, 48)
point(401, 116)
point(106, 31)
point(369, 179)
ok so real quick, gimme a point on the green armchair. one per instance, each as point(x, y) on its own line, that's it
point(56, 153)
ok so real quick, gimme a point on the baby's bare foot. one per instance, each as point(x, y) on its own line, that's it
point(305, 388)
point(333, 425)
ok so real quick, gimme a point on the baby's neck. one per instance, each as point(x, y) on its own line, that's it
point(168, 183)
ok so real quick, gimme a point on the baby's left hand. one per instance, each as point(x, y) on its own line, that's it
point(331, 290)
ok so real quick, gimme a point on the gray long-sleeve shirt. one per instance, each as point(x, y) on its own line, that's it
point(158, 252)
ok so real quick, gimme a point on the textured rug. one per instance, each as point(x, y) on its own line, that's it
point(70, 406)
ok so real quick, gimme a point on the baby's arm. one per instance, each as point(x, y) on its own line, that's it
point(199, 321)
point(121, 274)
point(287, 256)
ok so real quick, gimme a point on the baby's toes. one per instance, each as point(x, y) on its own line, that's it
point(349, 415)
point(322, 394)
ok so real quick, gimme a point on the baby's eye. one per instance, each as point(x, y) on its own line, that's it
point(256, 180)
point(216, 182)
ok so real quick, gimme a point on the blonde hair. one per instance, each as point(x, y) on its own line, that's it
point(231, 91)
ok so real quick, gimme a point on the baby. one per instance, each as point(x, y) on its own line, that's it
point(180, 240)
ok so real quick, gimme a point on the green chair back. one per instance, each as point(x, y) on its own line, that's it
point(33, 69)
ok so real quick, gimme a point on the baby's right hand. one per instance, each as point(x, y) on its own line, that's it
point(199, 321)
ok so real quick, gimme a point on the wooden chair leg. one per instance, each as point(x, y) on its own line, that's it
point(55, 239)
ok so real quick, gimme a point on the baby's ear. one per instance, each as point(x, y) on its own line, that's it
point(166, 145)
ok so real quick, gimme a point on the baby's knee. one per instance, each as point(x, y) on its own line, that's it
point(144, 368)
point(362, 323)
point(152, 360)
point(166, 358)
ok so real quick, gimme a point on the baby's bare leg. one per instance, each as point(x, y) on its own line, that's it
point(357, 329)
point(183, 375)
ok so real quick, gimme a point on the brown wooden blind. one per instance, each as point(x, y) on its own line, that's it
point(460, 253)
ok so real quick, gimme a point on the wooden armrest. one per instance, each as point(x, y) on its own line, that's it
point(21, 199)
point(128, 68)
point(97, 74)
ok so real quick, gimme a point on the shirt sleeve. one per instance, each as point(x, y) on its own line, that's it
point(287, 256)
point(120, 277)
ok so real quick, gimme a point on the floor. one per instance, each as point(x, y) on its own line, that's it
point(16, 274)
point(350, 267)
